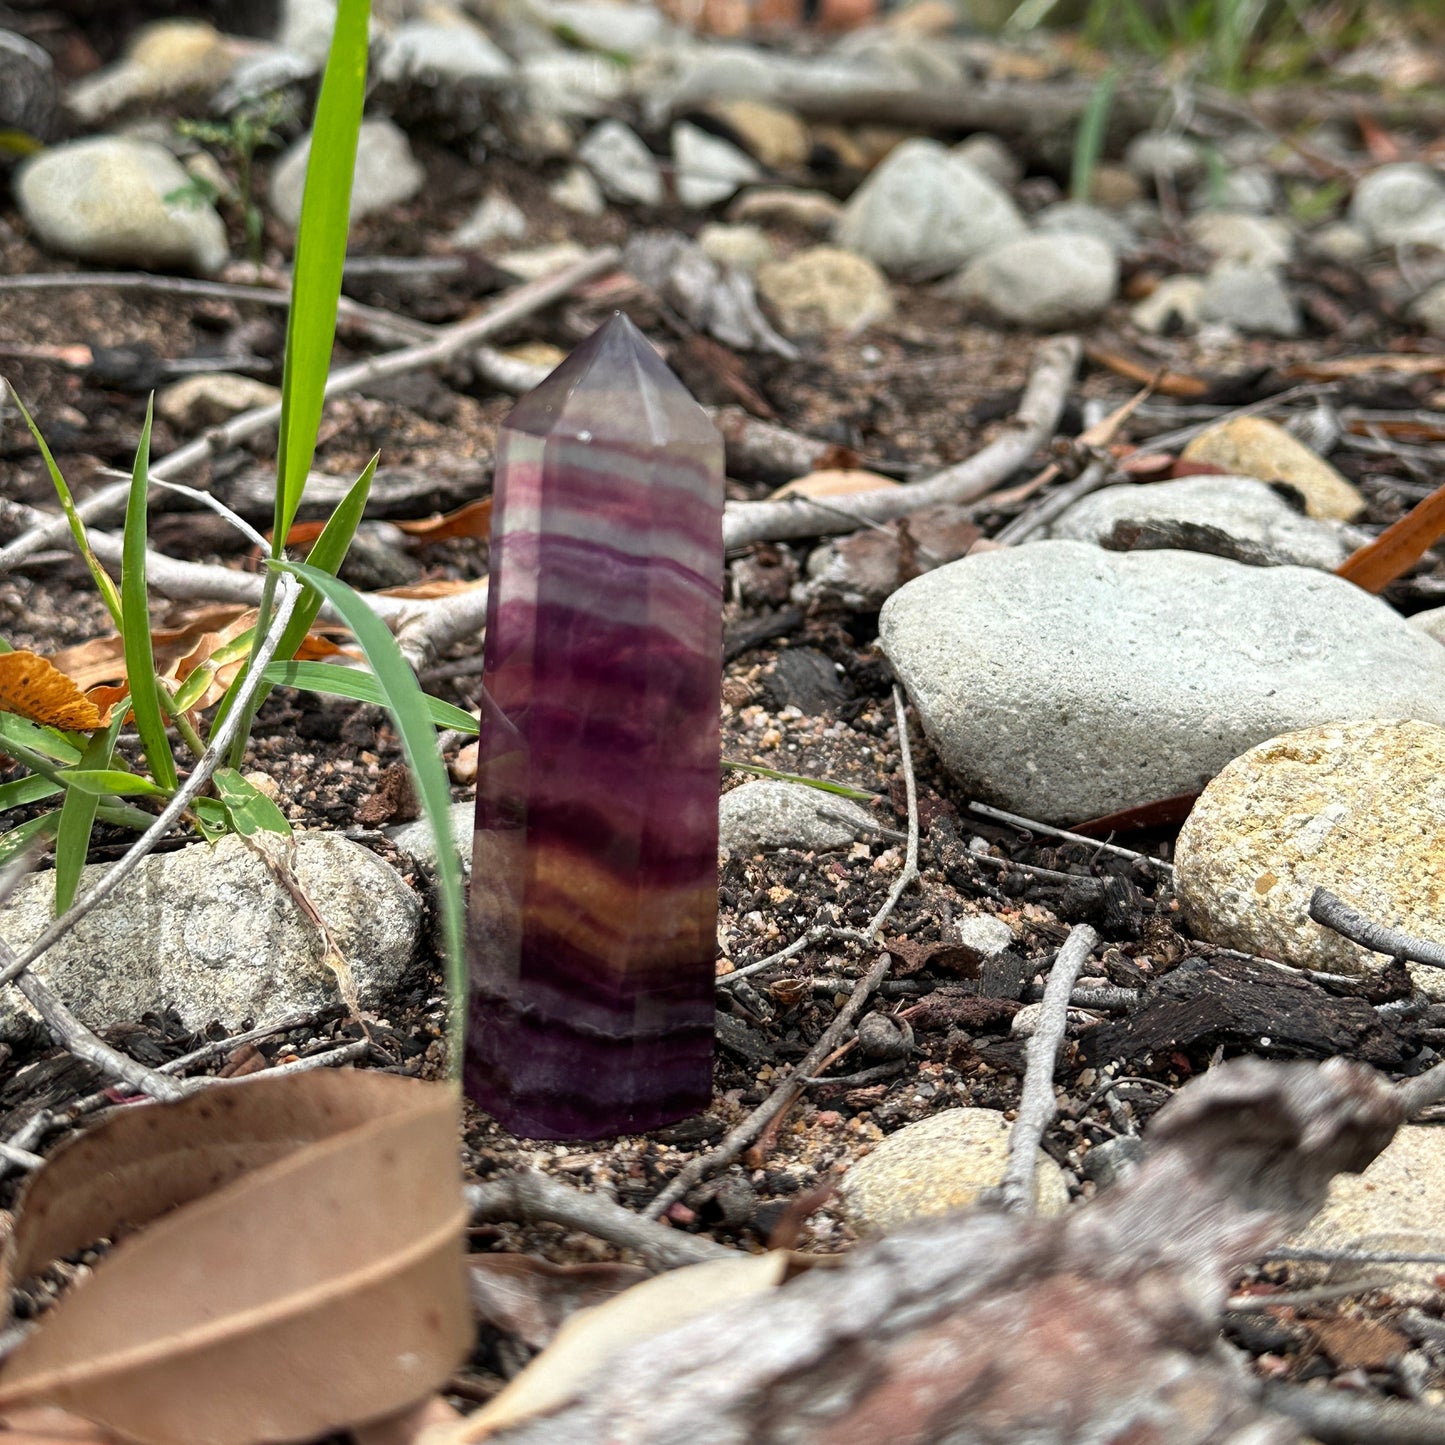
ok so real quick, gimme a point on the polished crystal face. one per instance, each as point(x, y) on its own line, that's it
point(594, 883)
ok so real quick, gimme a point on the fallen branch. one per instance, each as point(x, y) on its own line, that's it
point(1331, 911)
point(442, 346)
point(1341, 1417)
point(529, 1196)
point(1031, 428)
point(1037, 1106)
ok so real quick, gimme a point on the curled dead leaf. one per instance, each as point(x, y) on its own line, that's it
point(297, 1265)
point(34, 687)
point(834, 484)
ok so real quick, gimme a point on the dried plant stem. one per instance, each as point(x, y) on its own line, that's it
point(1032, 426)
point(984, 810)
point(1331, 911)
point(1037, 1106)
point(791, 1089)
point(530, 1196)
point(442, 346)
point(189, 790)
point(1339, 1417)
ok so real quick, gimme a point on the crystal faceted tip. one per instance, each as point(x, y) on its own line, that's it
point(594, 884)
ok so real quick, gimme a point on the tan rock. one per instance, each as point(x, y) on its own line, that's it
point(1252, 446)
point(1114, 187)
point(202, 401)
point(1358, 808)
point(814, 211)
point(824, 289)
point(1396, 1206)
point(772, 135)
point(936, 1166)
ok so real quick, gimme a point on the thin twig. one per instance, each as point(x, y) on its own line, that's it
point(984, 810)
point(1255, 1304)
point(209, 761)
point(1032, 426)
point(529, 1196)
point(1047, 509)
point(1297, 1254)
point(1330, 911)
point(1037, 1105)
point(1341, 1417)
point(442, 346)
point(379, 324)
point(740, 1136)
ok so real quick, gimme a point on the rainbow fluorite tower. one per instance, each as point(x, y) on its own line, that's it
point(592, 929)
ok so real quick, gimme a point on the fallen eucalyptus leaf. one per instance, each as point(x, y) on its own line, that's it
point(297, 1267)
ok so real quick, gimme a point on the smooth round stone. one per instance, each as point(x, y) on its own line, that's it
point(707, 169)
point(824, 290)
point(27, 86)
point(1239, 507)
point(387, 173)
point(1355, 807)
point(937, 1166)
point(1163, 155)
point(1253, 299)
point(1341, 242)
point(1401, 204)
point(1045, 282)
point(1428, 309)
point(1174, 304)
point(1238, 236)
point(1114, 187)
point(1249, 188)
point(494, 218)
point(1065, 682)
point(165, 58)
point(565, 82)
point(577, 191)
point(1254, 446)
point(1431, 623)
point(923, 212)
point(990, 156)
point(813, 211)
point(773, 814)
point(1079, 218)
point(744, 248)
point(625, 169)
point(772, 135)
point(201, 401)
point(433, 52)
point(104, 199)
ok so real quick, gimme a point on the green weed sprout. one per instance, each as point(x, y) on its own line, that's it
point(84, 770)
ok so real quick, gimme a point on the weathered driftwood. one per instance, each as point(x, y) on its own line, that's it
point(1099, 1325)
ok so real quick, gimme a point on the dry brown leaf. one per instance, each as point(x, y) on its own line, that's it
point(406, 1427)
point(301, 1271)
point(1375, 565)
point(1357, 1344)
point(585, 1343)
point(34, 687)
point(436, 587)
point(472, 520)
point(1157, 378)
point(834, 483)
point(532, 1299)
point(47, 1425)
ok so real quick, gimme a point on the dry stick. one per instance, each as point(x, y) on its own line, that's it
point(1046, 509)
point(740, 1136)
point(1016, 820)
point(1340, 1417)
point(382, 325)
point(443, 345)
point(1331, 911)
point(1032, 426)
point(209, 761)
point(1037, 1105)
point(530, 1196)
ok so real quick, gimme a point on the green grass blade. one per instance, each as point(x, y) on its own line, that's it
point(407, 706)
point(320, 255)
point(111, 783)
point(248, 808)
point(26, 790)
point(22, 739)
point(77, 813)
point(823, 786)
point(140, 663)
point(328, 552)
point(331, 680)
point(18, 839)
point(101, 577)
point(1089, 138)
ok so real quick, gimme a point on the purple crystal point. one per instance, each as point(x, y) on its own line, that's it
point(594, 878)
